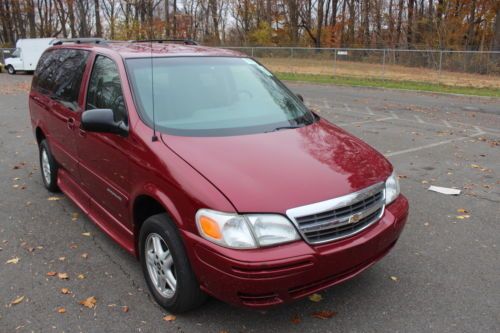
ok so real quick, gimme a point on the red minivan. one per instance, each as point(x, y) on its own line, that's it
point(201, 163)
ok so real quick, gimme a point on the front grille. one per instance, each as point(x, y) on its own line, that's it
point(340, 217)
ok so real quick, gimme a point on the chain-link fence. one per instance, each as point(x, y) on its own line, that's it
point(471, 68)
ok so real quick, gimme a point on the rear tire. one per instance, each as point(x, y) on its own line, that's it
point(48, 167)
point(166, 267)
point(11, 70)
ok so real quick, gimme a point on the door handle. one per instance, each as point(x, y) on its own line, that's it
point(71, 123)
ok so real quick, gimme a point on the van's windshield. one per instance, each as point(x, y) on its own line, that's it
point(213, 96)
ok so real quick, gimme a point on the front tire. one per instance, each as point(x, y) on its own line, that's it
point(48, 167)
point(166, 267)
point(11, 70)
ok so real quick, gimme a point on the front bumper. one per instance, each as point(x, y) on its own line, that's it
point(265, 277)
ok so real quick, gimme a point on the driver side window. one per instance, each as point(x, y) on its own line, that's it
point(105, 90)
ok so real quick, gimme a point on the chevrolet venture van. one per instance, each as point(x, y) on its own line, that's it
point(201, 163)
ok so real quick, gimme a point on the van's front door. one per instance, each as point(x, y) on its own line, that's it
point(103, 164)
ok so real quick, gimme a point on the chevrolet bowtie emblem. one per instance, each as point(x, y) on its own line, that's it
point(355, 218)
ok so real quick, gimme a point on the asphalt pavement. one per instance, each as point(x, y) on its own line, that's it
point(442, 276)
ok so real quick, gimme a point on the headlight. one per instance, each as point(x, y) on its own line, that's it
point(244, 231)
point(391, 188)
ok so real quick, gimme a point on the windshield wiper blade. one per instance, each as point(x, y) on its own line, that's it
point(284, 127)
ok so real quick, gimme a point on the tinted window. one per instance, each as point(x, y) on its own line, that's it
point(105, 90)
point(212, 96)
point(43, 80)
point(59, 74)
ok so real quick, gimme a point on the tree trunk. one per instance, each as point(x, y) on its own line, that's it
point(174, 17)
point(399, 23)
point(269, 13)
point(30, 12)
point(167, 19)
point(71, 17)
point(496, 32)
point(333, 17)
point(352, 18)
point(215, 20)
point(5, 29)
point(97, 11)
point(409, 29)
point(391, 26)
point(471, 31)
point(342, 32)
point(366, 23)
point(294, 21)
point(320, 23)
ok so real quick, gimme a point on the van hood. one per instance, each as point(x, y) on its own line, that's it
point(276, 171)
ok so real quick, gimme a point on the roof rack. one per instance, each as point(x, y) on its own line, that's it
point(80, 41)
point(167, 40)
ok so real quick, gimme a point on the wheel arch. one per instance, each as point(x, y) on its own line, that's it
point(39, 135)
point(147, 205)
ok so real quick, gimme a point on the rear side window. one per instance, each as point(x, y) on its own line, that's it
point(105, 89)
point(59, 74)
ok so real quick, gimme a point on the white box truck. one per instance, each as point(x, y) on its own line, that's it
point(27, 54)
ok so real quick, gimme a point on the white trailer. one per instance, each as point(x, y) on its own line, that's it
point(27, 54)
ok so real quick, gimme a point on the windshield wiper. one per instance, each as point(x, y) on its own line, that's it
point(284, 127)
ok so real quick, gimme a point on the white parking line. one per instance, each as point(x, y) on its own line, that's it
point(364, 121)
point(431, 145)
point(447, 124)
point(419, 119)
point(394, 115)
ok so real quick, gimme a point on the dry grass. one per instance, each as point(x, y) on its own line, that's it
point(375, 71)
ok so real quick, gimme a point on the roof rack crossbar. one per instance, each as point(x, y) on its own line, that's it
point(175, 40)
point(80, 41)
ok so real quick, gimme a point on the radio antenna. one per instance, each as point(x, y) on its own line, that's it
point(154, 138)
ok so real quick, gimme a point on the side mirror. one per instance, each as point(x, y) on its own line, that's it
point(300, 97)
point(102, 121)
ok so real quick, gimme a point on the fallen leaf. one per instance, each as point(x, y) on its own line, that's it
point(296, 319)
point(17, 300)
point(315, 298)
point(61, 310)
point(85, 255)
point(462, 217)
point(62, 258)
point(51, 273)
point(86, 234)
point(169, 318)
point(462, 210)
point(65, 291)
point(74, 216)
point(89, 302)
point(54, 198)
point(13, 261)
point(81, 276)
point(394, 278)
point(324, 314)
point(63, 276)
point(125, 308)
point(475, 166)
